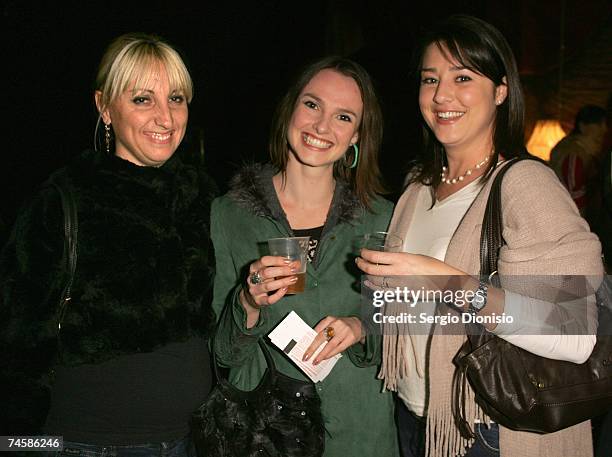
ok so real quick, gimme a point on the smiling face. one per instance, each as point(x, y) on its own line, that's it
point(326, 119)
point(148, 122)
point(458, 105)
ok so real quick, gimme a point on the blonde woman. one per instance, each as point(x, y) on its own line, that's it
point(133, 362)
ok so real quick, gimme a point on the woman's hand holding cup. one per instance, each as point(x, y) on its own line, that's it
point(272, 276)
point(267, 282)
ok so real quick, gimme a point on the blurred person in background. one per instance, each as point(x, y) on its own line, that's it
point(577, 158)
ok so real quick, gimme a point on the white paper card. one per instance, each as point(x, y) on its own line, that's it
point(293, 336)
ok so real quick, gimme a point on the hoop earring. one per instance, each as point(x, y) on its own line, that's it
point(107, 138)
point(356, 157)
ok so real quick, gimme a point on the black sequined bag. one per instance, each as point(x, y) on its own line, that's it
point(280, 417)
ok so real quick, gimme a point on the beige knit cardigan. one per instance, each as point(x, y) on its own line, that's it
point(545, 235)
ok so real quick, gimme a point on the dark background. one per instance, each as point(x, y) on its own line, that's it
point(241, 56)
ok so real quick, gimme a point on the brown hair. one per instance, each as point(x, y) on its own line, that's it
point(365, 178)
point(480, 47)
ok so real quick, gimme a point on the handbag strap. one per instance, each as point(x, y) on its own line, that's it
point(69, 256)
point(491, 240)
point(491, 234)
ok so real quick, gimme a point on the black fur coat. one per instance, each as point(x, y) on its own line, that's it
point(143, 276)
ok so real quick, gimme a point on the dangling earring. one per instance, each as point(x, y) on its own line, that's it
point(356, 157)
point(107, 138)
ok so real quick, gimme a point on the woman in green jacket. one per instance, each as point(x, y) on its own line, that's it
point(323, 182)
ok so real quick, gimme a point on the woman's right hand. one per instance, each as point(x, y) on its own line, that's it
point(272, 276)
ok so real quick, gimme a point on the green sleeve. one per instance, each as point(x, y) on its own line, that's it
point(367, 354)
point(234, 344)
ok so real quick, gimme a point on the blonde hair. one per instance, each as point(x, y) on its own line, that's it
point(131, 60)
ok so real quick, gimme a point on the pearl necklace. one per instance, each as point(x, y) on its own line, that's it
point(467, 173)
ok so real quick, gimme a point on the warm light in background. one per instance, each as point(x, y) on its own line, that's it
point(545, 136)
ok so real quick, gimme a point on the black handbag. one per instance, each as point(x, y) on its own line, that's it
point(518, 389)
point(280, 417)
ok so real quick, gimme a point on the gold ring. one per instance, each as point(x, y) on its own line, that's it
point(329, 333)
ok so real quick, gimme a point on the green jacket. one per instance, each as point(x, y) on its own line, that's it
point(358, 417)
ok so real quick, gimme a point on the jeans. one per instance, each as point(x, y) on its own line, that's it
point(412, 429)
point(178, 448)
point(602, 435)
point(487, 441)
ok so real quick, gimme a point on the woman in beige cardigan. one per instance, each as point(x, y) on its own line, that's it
point(472, 106)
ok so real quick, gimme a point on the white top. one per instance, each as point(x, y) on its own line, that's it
point(429, 234)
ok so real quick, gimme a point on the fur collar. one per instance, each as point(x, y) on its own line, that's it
point(252, 189)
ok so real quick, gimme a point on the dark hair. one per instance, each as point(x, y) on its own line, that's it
point(364, 179)
point(481, 48)
point(589, 114)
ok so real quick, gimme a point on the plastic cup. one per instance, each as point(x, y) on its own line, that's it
point(380, 241)
point(293, 248)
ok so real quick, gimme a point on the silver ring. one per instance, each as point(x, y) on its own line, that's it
point(256, 278)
